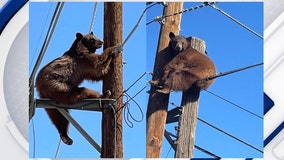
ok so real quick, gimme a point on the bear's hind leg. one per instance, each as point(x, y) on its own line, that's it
point(78, 94)
point(61, 124)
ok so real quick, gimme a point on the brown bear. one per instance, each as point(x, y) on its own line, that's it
point(59, 79)
point(185, 70)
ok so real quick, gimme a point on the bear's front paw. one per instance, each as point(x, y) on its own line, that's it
point(66, 139)
point(154, 83)
point(106, 94)
point(164, 90)
point(116, 49)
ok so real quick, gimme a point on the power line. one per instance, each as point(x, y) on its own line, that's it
point(211, 4)
point(160, 18)
point(168, 134)
point(230, 135)
point(220, 130)
point(136, 25)
point(93, 17)
point(41, 34)
point(229, 72)
point(207, 152)
point(235, 20)
point(50, 31)
point(234, 104)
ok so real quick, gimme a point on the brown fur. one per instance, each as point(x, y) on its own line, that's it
point(184, 70)
point(59, 79)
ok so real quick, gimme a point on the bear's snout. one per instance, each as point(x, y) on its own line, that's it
point(100, 43)
point(178, 48)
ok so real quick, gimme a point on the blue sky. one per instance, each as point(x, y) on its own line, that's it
point(228, 45)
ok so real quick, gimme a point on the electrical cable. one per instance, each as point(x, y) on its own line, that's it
point(50, 31)
point(93, 17)
point(220, 130)
point(235, 20)
point(234, 104)
point(230, 135)
point(41, 34)
point(136, 25)
point(160, 18)
point(229, 72)
point(58, 148)
point(207, 152)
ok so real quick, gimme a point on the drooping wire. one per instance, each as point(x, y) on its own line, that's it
point(93, 17)
point(160, 18)
point(230, 135)
point(235, 20)
point(126, 115)
point(234, 104)
point(127, 107)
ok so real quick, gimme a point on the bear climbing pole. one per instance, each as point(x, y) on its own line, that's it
point(158, 103)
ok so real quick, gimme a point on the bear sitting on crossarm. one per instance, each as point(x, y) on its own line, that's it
point(187, 67)
point(59, 79)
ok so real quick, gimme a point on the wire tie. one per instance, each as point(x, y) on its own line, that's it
point(118, 49)
point(160, 19)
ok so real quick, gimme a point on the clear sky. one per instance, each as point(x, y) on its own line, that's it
point(228, 45)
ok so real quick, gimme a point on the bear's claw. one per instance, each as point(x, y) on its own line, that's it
point(66, 139)
point(164, 91)
point(106, 94)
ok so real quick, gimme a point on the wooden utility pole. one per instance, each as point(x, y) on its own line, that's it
point(158, 103)
point(111, 147)
point(188, 117)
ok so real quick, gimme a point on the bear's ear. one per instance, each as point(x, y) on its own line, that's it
point(79, 36)
point(92, 33)
point(171, 35)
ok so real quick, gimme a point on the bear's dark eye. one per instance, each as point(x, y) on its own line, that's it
point(92, 40)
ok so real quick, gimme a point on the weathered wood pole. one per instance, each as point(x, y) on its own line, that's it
point(158, 103)
point(111, 147)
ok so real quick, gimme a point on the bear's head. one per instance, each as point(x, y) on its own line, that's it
point(177, 43)
point(90, 41)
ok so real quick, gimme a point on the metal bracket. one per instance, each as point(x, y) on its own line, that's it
point(160, 19)
point(86, 104)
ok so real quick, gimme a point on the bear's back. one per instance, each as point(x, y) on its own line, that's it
point(55, 75)
point(198, 65)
